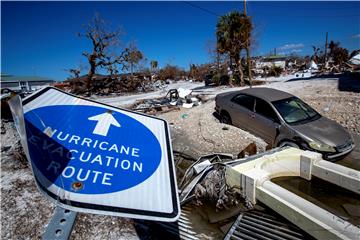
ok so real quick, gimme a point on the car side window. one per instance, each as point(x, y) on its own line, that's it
point(264, 109)
point(244, 100)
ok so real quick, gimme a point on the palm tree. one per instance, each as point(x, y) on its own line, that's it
point(333, 45)
point(316, 54)
point(153, 65)
point(233, 35)
point(338, 54)
point(133, 56)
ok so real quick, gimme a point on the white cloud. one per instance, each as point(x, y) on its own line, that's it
point(296, 50)
point(291, 46)
point(356, 36)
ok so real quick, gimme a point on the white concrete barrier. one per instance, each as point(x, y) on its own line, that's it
point(252, 178)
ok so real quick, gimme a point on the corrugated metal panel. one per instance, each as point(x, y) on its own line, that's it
point(181, 229)
point(257, 225)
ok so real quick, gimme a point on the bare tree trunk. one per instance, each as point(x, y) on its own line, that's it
point(241, 73)
point(92, 62)
point(131, 69)
point(232, 72)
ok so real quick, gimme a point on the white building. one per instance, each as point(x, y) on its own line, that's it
point(271, 61)
point(24, 83)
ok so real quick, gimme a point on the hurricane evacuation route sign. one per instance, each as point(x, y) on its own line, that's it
point(95, 158)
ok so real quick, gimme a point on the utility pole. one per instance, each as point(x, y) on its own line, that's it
point(245, 7)
point(326, 46)
point(217, 55)
point(248, 58)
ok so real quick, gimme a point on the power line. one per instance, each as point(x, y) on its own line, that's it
point(201, 8)
point(271, 14)
point(305, 16)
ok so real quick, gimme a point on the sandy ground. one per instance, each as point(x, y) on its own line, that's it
point(25, 213)
point(22, 205)
point(197, 132)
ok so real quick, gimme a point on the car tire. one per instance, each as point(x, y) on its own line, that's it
point(225, 118)
point(288, 144)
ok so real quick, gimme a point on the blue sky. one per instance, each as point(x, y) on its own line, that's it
point(41, 37)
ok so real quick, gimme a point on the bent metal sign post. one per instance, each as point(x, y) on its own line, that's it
point(95, 158)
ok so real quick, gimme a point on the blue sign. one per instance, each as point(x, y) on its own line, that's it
point(90, 149)
point(90, 157)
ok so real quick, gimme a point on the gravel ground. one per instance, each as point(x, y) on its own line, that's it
point(22, 205)
point(25, 212)
point(325, 96)
point(343, 107)
point(197, 132)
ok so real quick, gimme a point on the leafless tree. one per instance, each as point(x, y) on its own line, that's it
point(104, 43)
point(74, 72)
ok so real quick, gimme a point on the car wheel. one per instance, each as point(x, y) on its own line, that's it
point(225, 118)
point(288, 144)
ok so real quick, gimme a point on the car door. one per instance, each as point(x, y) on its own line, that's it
point(265, 120)
point(242, 107)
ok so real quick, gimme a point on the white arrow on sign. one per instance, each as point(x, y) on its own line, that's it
point(104, 121)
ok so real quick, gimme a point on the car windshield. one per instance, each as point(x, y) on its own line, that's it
point(294, 111)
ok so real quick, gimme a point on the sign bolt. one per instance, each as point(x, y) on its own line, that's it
point(77, 186)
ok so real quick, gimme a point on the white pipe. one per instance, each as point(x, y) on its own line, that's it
point(339, 175)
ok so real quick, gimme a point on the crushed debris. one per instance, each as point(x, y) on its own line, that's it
point(213, 188)
point(204, 180)
point(250, 150)
point(200, 164)
point(173, 100)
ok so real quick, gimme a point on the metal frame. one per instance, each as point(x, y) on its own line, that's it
point(61, 225)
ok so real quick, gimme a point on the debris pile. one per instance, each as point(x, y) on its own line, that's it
point(173, 100)
point(213, 188)
point(106, 85)
point(204, 182)
point(153, 106)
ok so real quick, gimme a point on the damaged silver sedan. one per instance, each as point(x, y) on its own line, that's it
point(282, 119)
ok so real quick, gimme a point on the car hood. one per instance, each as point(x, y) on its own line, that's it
point(325, 131)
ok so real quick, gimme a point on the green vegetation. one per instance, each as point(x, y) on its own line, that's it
point(233, 35)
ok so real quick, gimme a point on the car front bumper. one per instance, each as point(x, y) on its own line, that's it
point(338, 155)
point(331, 156)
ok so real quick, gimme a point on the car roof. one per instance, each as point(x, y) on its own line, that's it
point(268, 94)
